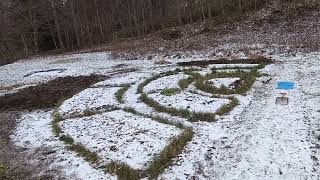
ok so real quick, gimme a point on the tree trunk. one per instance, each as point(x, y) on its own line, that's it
point(57, 26)
point(24, 44)
point(75, 24)
point(99, 20)
point(35, 31)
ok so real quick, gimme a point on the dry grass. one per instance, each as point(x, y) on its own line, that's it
point(228, 107)
point(247, 78)
point(123, 171)
point(171, 151)
point(191, 116)
point(165, 158)
point(120, 93)
point(184, 83)
point(89, 156)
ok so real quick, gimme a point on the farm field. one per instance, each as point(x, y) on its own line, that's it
point(93, 116)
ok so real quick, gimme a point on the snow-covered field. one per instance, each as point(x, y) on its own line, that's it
point(256, 140)
point(121, 136)
point(91, 99)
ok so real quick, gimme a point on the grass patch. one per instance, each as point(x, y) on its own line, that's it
point(66, 139)
point(3, 169)
point(57, 118)
point(91, 157)
point(82, 151)
point(191, 116)
point(172, 150)
point(247, 78)
point(170, 91)
point(184, 83)
point(228, 107)
point(156, 118)
point(120, 93)
point(123, 171)
point(147, 81)
point(55, 123)
point(165, 158)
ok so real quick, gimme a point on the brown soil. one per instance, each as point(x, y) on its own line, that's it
point(48, 94)
point(260, 60)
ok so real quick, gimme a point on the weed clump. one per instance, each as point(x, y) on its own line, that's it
point(89, 156)
point(123, 171)
point(120, 93)
point(170, 91)
point(184, 83)
point(170, 151)
point(247, 79)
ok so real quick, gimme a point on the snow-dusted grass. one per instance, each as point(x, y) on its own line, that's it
point(232, 66)
point(119, 94)
point(247, 80)
point(166, 82)
point(184, 83)
point(220, 82)
point(121, 136)
point(34, 132)
point(89, 101)
point(129, 78)
point(149, 135)
point(194, 107)
point(192, 102)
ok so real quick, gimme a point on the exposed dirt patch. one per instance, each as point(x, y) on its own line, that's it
point(9, 88)
point(226, 61)
point(48, 94)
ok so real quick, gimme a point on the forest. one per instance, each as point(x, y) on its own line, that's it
point(32, 26)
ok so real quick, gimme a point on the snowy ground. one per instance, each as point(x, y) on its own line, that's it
point(34, 131)
point(256, 140)
point(264, 141)
point(121, 136)
point(164, 82)
point(192, 102)
point(91, 99)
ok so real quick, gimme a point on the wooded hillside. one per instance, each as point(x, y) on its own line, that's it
point(30, 26)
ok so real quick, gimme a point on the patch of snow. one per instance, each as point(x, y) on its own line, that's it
point(164, 82)
point(232, 70)
point(95, 99)
point(128, 78)
point(121, 136)
point(226, 82)
point(190, 101)
point(34, 131)
point(258, 139)
point(210, 66)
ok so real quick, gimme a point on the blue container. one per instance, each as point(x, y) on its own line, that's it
point(285, 85)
